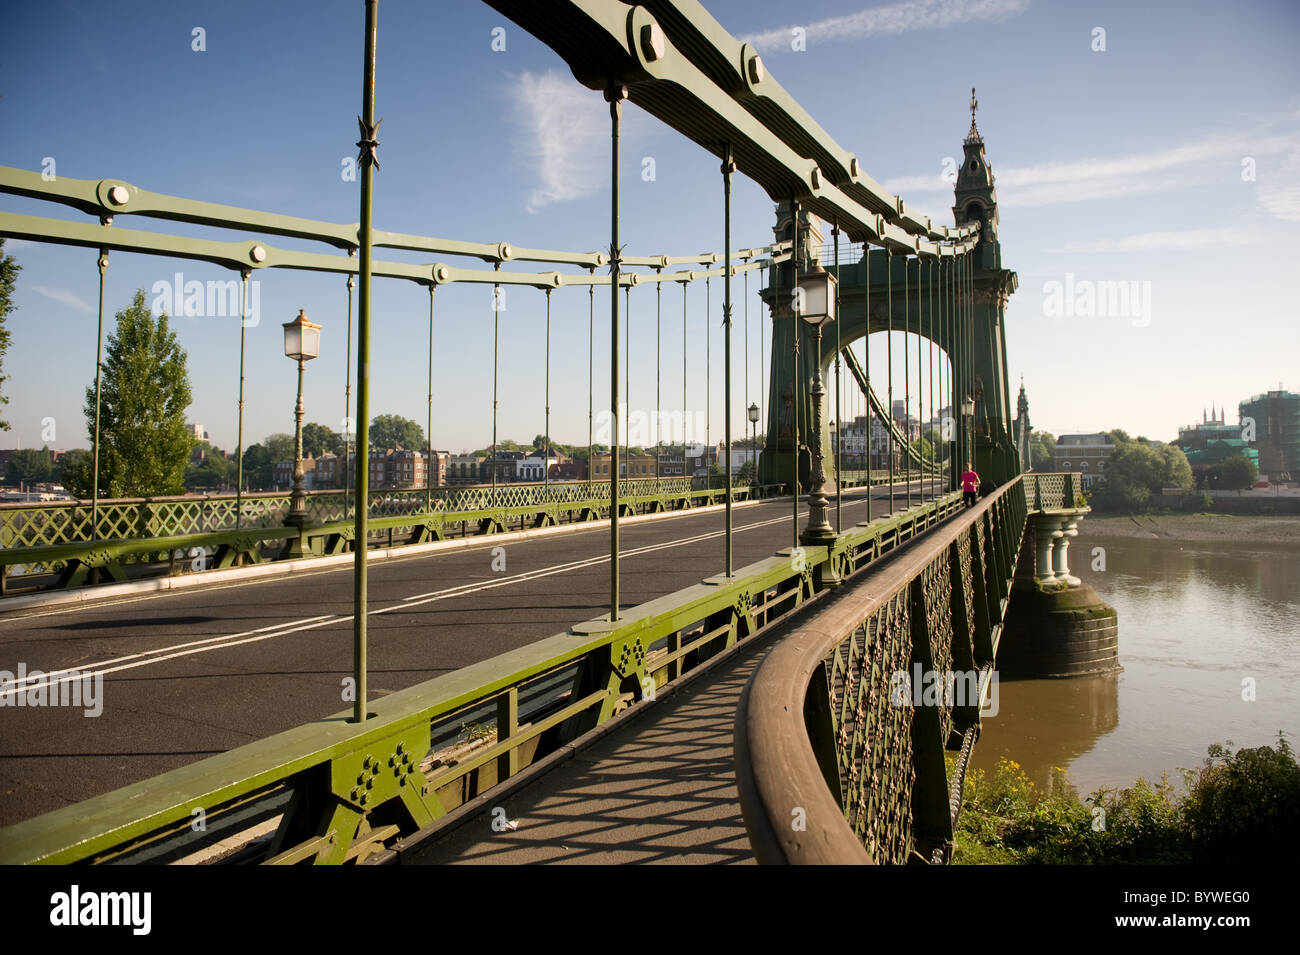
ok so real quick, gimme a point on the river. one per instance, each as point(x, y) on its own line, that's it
point(1203, 626)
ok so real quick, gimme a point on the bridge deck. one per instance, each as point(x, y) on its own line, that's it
point(193, 673)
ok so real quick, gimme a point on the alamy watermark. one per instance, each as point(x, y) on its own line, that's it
point(923, 687)
point(64, 688)
point(1085, 298)
point(211, 299)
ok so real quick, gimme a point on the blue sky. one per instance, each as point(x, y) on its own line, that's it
point(1123, 165)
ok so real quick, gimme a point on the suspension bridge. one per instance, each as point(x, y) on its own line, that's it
point(786, 600)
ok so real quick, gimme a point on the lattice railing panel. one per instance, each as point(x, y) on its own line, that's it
point(873, 733)
point(936, 590)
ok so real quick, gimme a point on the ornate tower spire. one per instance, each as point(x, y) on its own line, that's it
point(975, 196)
point(974, 135)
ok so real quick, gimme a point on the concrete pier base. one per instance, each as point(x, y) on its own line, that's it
point(1056, 626)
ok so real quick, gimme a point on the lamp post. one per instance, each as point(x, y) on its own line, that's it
point(301, 343)
point(817, 308)
point(753, 442)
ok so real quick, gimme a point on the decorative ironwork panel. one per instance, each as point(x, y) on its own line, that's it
point(873, 729)
point(936, 588)
point(967, 585)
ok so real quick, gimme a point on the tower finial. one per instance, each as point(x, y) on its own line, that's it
point(974, 135)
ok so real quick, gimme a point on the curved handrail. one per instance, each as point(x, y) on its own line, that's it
point(791, 813)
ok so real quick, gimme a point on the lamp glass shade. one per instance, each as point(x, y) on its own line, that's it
point(301, 338)
point(753, 414)
point(818, 300)
point(968, 407)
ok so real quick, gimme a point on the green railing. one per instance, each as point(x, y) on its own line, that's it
point(1053, 490)
point(840, 752)
point(57, 537)
point(335, 791)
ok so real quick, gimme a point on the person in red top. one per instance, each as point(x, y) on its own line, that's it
point(970, 485)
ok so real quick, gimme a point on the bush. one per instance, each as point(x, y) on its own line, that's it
point(1239, 808)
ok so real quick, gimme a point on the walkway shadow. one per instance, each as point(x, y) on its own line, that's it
point(661, 790)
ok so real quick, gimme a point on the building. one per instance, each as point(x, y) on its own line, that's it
point(538, 466)
point(569, 470)
point(282, 473)
point(1276, 416)
point(1085, 453)
point(465, 468)
point(506, 465)
point(634, 467)
point(1211, 442)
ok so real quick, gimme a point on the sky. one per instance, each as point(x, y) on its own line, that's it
point(1153, 144)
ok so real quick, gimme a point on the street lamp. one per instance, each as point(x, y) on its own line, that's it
point(753, 443)
point(301, 343)
point(817, 308)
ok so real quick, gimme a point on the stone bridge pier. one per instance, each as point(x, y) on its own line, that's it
point(1056, 626)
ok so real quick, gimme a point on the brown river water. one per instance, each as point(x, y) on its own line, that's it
point(1198, 621)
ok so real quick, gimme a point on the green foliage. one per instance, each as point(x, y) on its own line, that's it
point(72, 469)
point(1243, 806)
point(9, 270)
point(1198, 503)
point(1238, 808)
point(318, 439)
point(1137, 469)
point(213, 472)
point(30, 466)
point(144, 445)
point(258, 467)
point(1235, 473)
point(1041, 445)
point(394, 431)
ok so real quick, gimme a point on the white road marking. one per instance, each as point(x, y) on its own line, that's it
point(161, 654)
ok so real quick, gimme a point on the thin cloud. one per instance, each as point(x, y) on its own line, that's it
point(1217, 159)
point(1279, 189)
point(1166, 241)
point(63, 297)
point(891, 20)
point(561, 133)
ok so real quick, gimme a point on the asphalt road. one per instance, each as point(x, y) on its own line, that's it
point(191, 673)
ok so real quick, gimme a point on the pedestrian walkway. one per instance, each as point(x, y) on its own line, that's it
point(661, 790)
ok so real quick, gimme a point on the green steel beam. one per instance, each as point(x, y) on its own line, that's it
point(605, 41)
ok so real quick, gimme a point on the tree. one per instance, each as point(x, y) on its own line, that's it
point(144, 447)
point(213, 472)
point(1137, 469)
point(30, 466)
point(73, 472)
point(258, 468)
point(1236, 473)
point(394, 431)
point(317, 439)
point(279, 447)
point(1041, 444)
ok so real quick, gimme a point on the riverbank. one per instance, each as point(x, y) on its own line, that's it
point(1279, 529)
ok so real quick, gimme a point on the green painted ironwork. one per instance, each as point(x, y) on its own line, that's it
point(833, 722)
point(60, 536)
point(337, 791)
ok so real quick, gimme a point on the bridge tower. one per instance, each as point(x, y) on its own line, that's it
point(975, 199)
point(877, 282)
